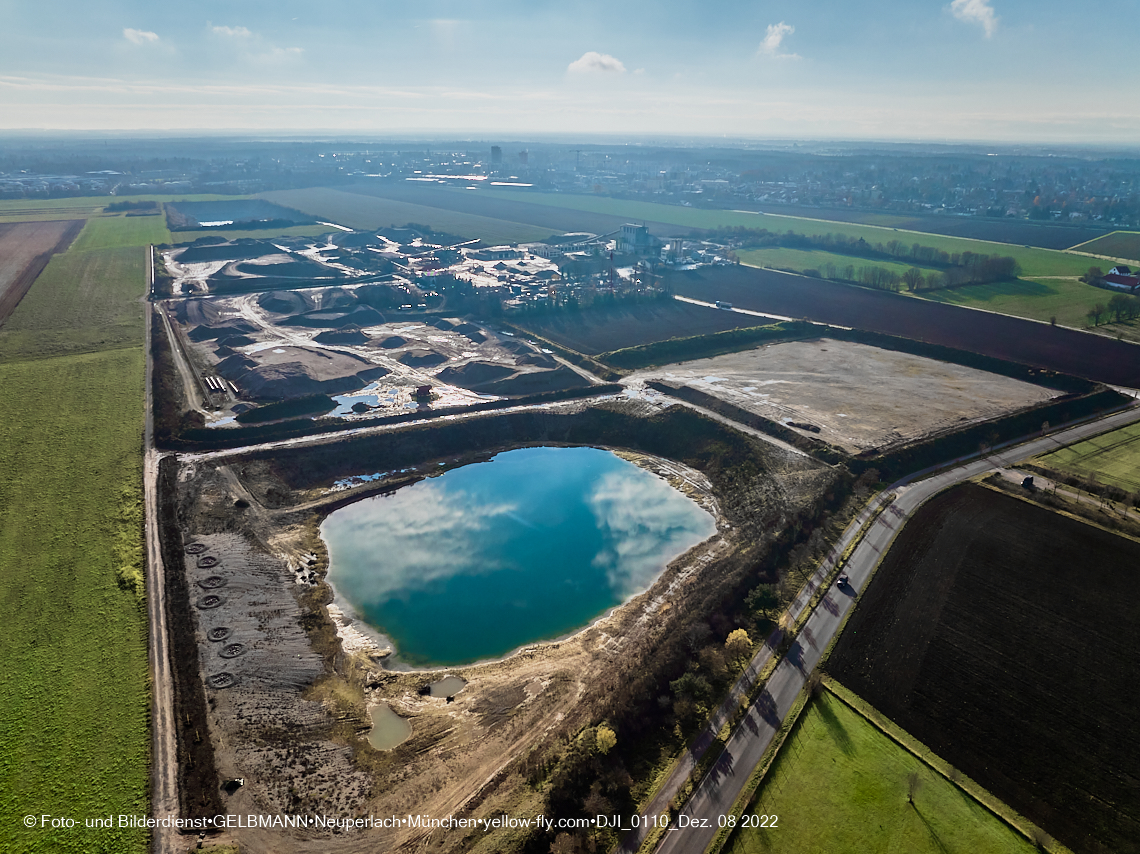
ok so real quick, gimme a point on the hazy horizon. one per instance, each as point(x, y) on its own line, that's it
point(971, 71)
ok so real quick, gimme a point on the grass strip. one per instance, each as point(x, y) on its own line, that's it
point(74, 736)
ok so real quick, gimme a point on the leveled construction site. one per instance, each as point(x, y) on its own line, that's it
point(854, 397)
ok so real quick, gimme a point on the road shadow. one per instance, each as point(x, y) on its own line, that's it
point(721, 768)
point(765, 706)
point(835, 726)
point(796, 657)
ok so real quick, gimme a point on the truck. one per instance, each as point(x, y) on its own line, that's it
point(722, 304)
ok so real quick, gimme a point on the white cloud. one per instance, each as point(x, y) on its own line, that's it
point(232, 32)
point(976, 12)
point(139, 36)
point(593, 62)
point(774, 39)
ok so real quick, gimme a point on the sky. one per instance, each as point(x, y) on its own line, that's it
point(961, 70)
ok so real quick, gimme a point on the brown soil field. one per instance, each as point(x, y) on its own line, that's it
point(25, 249)
point(1003, 636)
point(290, 717)
point(600, 330)
point(1119, 244)
point(825, 383)
point(1026, 342)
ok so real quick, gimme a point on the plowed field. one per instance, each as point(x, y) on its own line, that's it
point(25, 248)
point(1038, 344)
point(1003, 636)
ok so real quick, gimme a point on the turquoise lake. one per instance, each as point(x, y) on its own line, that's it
point(528, 546)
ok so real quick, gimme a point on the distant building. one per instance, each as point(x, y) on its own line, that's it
point(496, 155)
point(636, 240)
point(496, 253)
point(524, 156)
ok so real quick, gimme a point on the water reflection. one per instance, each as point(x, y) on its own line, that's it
point(491, 556)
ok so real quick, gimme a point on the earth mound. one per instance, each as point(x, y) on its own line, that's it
point(420, 358)
point(286, 380)
point(536, 382)
point(194, 312)
point(474, 375)
point(286, 302)
point(361, 316)
point(338, 298)
point(293, 268)
point(541, 360)
point(239, 250)
point(226, 329)
point(236, 341)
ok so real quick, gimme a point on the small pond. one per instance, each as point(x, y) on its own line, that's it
point(448, 686)
point(529, 546)
point(388, 728)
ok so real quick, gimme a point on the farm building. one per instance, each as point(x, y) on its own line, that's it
point(1121, 281)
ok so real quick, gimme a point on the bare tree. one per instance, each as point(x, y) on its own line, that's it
point(913, 784)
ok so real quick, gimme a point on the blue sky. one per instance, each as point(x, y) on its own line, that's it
point(1034, 70)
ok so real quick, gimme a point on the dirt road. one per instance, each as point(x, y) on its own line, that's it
point(164, 752)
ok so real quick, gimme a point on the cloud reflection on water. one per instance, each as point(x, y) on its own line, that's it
point(440, 534)
point(644, 525)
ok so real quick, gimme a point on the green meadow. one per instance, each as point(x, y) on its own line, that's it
point(74, 695)
point(840, 784)
point(1114, 458)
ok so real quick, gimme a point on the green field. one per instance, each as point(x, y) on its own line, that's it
point(1034, 262)
point(1066, 299)
point(16, 210)
point(839, 784)
point(364, 212)
point(1113, 457)
point(74, 698)
point(83, 301)
point(798, 260)
point(110, 232)
point(1119, 244)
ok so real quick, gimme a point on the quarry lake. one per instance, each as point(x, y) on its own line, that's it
point(488, 557)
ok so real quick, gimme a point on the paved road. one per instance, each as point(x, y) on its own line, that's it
point(719, 790)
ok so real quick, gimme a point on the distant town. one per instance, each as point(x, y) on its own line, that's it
point(1086, 186)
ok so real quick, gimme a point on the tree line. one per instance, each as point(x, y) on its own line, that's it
point(957, 268)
